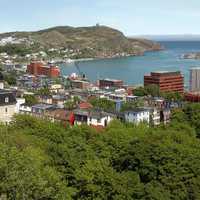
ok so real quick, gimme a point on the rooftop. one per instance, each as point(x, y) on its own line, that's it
point(195, 68)
point(109, 79)
point(136, 110)
point(7, 98)
point(165, 72)
point(91, 113)
point(43, 106)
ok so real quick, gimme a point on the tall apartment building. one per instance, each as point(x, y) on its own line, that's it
point(39, 68)
point(166, 81)
point(195, 79)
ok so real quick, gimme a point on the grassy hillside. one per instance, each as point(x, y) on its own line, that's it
point(96, 41)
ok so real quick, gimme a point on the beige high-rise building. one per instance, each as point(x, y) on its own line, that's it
point(195, 79)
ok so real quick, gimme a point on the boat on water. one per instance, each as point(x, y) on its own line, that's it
point(68, 60)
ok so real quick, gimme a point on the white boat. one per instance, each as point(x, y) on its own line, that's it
point(69, 60)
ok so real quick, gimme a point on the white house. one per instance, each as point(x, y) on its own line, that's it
point(154, 116)
point(137, 115)
point(20, 101)
point(92, 118)
point(25, 109)
point(101, 119)
point(7, 106)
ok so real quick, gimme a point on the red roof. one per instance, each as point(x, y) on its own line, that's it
point(85, 105)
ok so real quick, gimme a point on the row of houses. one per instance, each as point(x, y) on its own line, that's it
point(52, 106)
point(85, 114)
point(53, 109)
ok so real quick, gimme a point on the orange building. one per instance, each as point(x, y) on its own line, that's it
point(167, 81)
point(39, 68)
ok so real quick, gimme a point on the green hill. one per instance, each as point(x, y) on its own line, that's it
point(96, 41)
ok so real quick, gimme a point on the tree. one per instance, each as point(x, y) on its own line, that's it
point(192, 112)
point(140, 91)
point(172, 96)
point(72, 103)
point(152, 90)
point(31, 100)
point(102, 103)
point(44, 160)
point(10, 78)
point(132, 105)
point(44, 91)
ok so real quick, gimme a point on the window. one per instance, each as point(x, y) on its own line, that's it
point(6, 100)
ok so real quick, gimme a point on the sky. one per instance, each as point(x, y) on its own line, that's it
point(133, 17)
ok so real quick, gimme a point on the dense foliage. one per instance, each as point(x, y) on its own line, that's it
point(43, 160)
point(13, 49)
point(10, 78)
point(31, 100)
point(154, 91)
point(103, 104)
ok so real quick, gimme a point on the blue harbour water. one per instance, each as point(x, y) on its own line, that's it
point(132, 69)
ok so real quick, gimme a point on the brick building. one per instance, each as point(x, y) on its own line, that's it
point(192, 96)
point(167, 81)
point(112, 83)
point(39, 68)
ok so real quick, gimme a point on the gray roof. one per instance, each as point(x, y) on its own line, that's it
point(92, 113)
point(7, 98)
point(136, 110)
point(43, 106)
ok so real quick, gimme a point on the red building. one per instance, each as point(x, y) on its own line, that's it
point(167, 81)
point(39, 68)
point(192, 96)
point(113, 83)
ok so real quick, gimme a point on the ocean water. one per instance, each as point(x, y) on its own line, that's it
point(132, 69)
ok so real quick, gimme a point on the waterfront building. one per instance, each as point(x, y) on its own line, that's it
point(110, 83)
point(195, 79)
point(166, 81)
point(80, 84)
point(39, 68)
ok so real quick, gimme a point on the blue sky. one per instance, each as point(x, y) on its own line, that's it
point(133, 17)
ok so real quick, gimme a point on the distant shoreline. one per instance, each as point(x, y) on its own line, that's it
point(108, 58)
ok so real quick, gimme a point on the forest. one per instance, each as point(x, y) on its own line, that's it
point(40, 160)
